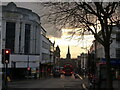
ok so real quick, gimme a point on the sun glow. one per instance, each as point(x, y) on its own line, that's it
point(76, 43)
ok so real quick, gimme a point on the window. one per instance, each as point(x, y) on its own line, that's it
point(45, 56)
point(10, 36)
point(27, 39)
point(118, 53)
point(118, 37)
point(45, 45)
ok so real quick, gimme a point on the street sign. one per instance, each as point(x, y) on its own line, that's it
point(113, 61)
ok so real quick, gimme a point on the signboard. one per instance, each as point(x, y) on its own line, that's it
point(113, 61)
point(33, 70)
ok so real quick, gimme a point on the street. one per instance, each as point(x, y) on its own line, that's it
point(60, 45)
point(62, 83)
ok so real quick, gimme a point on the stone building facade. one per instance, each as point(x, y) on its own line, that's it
point(22, 33)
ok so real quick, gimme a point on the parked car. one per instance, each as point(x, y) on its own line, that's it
point(62, 70)
point(56, 72)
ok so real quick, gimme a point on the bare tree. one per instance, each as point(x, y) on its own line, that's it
point(96, 17)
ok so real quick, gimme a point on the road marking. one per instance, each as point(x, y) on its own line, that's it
point(79, 76)
point(83, 85)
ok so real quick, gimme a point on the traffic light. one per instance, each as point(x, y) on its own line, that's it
point(5, 55)
point(28, 68)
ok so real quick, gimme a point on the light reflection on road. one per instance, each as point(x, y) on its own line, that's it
point(67, 77)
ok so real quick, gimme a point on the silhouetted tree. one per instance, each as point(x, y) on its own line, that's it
point(95, 17)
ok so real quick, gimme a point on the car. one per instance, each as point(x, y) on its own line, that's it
point(56, 72)
point(62, 70)
point(68, 72)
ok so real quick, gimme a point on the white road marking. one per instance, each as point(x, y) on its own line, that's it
point(79, 76)
point(83, 85)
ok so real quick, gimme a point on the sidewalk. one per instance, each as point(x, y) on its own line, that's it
point(29, 79)
point(116, 84)
point(86, 82)
point(86, 85)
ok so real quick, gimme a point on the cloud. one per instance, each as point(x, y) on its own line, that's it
point(52, 31)
point(40, 10)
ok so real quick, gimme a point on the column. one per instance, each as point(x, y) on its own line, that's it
point(31, 39)
point(3, 33)
point(37, 40)
point(22, 37)
point(34, 38)
point(17, 33)
point(40, 40)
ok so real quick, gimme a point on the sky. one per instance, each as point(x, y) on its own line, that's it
point(61, 38)
point(77, 46)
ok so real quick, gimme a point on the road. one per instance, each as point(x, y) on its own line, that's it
point(62, 83)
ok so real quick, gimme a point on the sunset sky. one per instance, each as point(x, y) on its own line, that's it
point(76, 45)
point(61, 38)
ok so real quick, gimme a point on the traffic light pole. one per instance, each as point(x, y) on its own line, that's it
point(5, 61)
point(4, 77)
point(6, 68)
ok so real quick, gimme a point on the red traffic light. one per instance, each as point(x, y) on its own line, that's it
point(5, 56)
point(28, 68)
point(7, 51)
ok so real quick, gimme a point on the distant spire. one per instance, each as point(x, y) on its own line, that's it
point(68, 54)
point(54, 43)
point(57, 51)
point(68, 50)
point(57, 48)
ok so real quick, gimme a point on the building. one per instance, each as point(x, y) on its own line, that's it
point(0, 50)
point(83, 59)
point(68, 56)
point(68, 60)
point(57, 55)
point(114, 47)
point(46, 54)
point(98, 55)
point(23, 35)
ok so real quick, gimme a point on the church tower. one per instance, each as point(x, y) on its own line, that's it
point(68, 56)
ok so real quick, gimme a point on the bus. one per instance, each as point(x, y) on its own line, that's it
point(68, 69)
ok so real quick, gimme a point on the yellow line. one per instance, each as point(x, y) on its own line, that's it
point(79, 76)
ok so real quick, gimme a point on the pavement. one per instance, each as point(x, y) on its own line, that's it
point(86, 85)
point(85, 82)
point(116, 84)
point(63, 82)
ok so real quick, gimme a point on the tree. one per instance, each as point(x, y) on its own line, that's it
point(98, 18)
